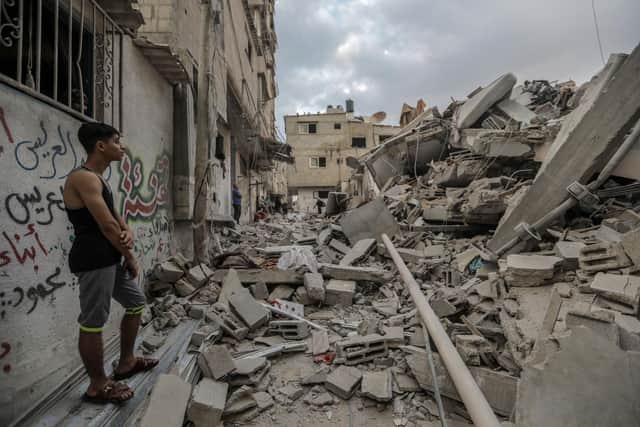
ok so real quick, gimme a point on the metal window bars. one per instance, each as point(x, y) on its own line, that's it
point(65, 52)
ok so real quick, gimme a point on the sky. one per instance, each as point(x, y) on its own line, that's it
point(382, 53)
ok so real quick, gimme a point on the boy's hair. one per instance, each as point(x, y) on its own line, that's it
point(90, 133)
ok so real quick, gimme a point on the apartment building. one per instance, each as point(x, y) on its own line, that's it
point(321, 145)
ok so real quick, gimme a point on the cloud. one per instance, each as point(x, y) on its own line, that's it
point(386, 52)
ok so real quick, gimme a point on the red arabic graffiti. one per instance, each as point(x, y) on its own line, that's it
point(20, 250)
point(138, 202)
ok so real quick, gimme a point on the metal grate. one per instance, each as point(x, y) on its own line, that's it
point(66, 52)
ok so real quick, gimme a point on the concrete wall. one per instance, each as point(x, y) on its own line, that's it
point(38, 295)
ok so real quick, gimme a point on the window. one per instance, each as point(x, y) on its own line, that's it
point(337, 126)
point(73, 60)
point(359, 142)
point(321, 194)
point(305, 128)
point(317, 162)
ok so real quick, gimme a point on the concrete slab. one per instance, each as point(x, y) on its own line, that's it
point(586, 369)
point(377, 386)
point(517, 112)
point(359, 251)
point(215, 362)
point(358, 274)
point(343, 381)
point(623, 289)
point(168, 402)
point(250, 311)
point(631, 245)
point(231, 284)
point(270, 277)
point(207, 403)
point(369, 221)
point(281, 292)
point(471, 111)
point(569, 252)
point(260, 291)
point(609, 109)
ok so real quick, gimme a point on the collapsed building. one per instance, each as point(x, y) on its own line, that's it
point(484, 271)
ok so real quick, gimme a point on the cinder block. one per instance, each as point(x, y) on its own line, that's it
point(289, 329)
point(199, 275)
point(207, 403)
point(168, 402)
point(343, 381)
point(227, 322)
point(248, 309)
point(377, 385)
point(260, 291)
point(215, 362)
point(168, 272)
point(602, 257)
point(356, 350)
point(314, 283)
point(319, 342)
point(340, 292)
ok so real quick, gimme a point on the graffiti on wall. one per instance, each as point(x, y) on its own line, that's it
point(140, 201)
point(35, 235)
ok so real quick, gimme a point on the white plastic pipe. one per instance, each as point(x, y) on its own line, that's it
point(472, 397)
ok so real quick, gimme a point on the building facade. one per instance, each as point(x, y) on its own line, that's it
point(321, 145)
point(134, 65)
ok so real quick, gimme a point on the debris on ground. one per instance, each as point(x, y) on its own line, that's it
point(320, 298)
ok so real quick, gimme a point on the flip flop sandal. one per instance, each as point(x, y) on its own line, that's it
point(110, 393)
point(142, 365)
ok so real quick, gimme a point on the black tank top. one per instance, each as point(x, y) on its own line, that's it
point(91, 249)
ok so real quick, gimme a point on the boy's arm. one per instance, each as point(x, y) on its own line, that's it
point(126, 235)
point(89, 189)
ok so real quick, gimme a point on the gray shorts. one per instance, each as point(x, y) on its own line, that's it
point(97, 287)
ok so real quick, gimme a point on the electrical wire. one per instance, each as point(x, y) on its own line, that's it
point(595, 22)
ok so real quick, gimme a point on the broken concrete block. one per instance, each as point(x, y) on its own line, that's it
point(167, 403)
point(338, 246)
point(197, 311)
point(363, 274)
point(516, 112)
point(569, 252)
point(322, 399)
point(361, 349)
point(377, 386)
point(205, 331)
point(405, 383)
point(281, 292)
point(471, 347)
point(252, 313)
point(604, 116)
point(314, 284)
point(464, 259)
point(394, 335)
point(434, 251)
point(343, 381)
point(631, 245)
point(359, 251)
point(324, 237)
point(199, 275)
point(601, 322)
point(319, 342)
point(231, 325)
point(260, 291)
point(387, 307)
point(473, 108)
point(207, 403)
point(153, 342)
point(215, 362)
point(168, 272)
point(622, 289)
point(239, 401)
point(289, 329)
point(249, 371)
point(249, 365)
point(340, 292)
point(183, 288)
point(231, 284)
point(319, 377)
point(370, 220)
point(603, 257)
point(531, 270)
point(302, 296)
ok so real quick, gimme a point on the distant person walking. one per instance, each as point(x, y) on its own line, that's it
point(236, 199)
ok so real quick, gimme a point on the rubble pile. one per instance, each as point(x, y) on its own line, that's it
point(306, 314)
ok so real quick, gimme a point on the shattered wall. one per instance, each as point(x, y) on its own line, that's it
point(38, 294)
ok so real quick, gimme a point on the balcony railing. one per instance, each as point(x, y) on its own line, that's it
point(65, 52)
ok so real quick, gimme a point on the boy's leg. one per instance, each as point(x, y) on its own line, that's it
point(95, 301)
point(130, 296)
